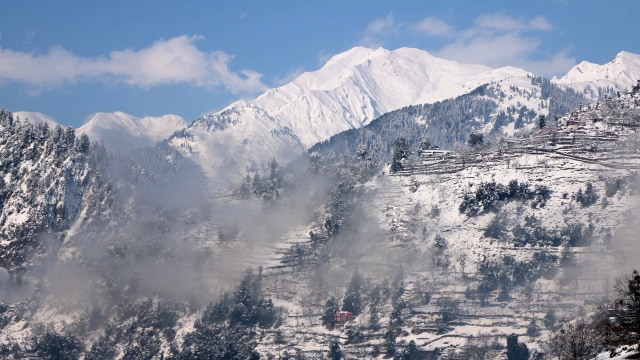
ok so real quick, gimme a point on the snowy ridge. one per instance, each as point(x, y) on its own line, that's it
point(348, 92)
point(36, 117)
point(360, 84)
point(125, 132)
point(228, 145)
point(444, 266)
point(618, 75)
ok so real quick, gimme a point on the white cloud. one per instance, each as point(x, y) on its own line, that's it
point(500, 40)
point(504, 22)
point(498, 50)
point(377, 29)
point(323, 57)
point(559, 63)
point(433, 26)
point(495, 39)
point(540, 23)
point(499, 21)
point(172, 61)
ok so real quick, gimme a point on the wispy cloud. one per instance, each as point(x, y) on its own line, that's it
point(378, 29)
point(433, 26)
point(499, 40)
point(504, 22)
point(496, 39)
point(173, 61)
point(288, 77)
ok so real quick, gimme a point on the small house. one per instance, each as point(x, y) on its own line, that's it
point(343, 316)
point(574, 124)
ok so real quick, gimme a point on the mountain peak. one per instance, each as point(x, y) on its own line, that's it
point(124, 131)
point(356, 86)
point(619, 74)
point(349, 91)
point(356, 53)
point(625, 55)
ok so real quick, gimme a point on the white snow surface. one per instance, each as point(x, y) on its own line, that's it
point(348, 92)
point(123, 131)
point(357, 86)
point(619, 74)
point(36, 117)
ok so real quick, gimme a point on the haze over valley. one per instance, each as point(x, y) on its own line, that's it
point(444, 187)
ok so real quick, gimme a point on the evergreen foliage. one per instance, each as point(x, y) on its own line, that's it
point(542, 123)
point(410, 352)
point(588, 197)
point(390, 342)
point(400, 154)
point(329, 314)
point(507, 272)
point(352, 301)
point(334, 350)
point(57, 346)
point(227, 328)
point(489, 195)
point(475, 140)
point(449, 122)
point(516, 350)
point(48, 177)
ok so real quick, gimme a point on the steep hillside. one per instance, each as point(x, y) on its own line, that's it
point(495, 110)
point(51, 180)
point(349, 91)
point(445, 256)
point(442, 254)
point(457, 250)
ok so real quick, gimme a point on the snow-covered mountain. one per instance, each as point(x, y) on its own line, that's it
point(35, 117)
point(349, 91)
point(594, 80)
point(447, 256)
point(122, 131)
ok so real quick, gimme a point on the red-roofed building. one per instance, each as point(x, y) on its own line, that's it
point(343, 316)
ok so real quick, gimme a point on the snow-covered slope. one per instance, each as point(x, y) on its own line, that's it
point(349, 91)
point(357, 86)
point(619, 74)
point(122, 131)
point(35, 117)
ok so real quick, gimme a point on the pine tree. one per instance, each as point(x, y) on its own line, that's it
point(390, 342)
point(329, 314)
point(334, 350)
point(542, 122)
point(400, 153)
point(475, 139)
point(352, 301)
point(410, 352)
point(516, 350)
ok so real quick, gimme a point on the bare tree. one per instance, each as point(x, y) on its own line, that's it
point(619, 320)
point(574, 341)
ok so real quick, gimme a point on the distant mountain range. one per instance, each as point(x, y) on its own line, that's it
point(129, 255)
point(593, 80)
point(348, 92)
point(123, 131)
point(118, 130)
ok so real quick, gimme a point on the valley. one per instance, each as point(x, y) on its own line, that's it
point(490, 212)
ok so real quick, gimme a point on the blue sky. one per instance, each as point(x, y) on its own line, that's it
point(69, 59)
